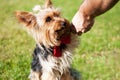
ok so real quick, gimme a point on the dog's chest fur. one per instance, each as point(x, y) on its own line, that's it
point(45, 62)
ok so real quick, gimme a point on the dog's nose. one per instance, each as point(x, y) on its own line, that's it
point(63, 24)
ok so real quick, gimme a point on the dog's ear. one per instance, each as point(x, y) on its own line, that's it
point(26, 18)
point(48, 4)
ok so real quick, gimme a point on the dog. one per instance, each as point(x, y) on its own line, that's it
point(55, 43)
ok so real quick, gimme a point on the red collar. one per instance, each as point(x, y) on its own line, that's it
point(64, 40)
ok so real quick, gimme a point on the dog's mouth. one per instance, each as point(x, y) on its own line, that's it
point(63, 31)
point(60, 37)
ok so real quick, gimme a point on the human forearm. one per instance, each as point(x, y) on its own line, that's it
point(94, 8)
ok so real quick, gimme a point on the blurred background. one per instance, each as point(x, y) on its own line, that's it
point(96, 58)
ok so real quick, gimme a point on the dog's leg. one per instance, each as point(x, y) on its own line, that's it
point(48, 76)
point(34, 75)
point(67, 76)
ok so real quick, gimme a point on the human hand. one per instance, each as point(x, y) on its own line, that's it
point(82, 23)
point(84, 18)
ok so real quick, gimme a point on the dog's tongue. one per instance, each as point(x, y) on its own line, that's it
point(57, 49)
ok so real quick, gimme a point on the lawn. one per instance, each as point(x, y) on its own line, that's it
point(96, 58)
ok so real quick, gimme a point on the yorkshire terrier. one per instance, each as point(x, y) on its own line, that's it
point(55, 41)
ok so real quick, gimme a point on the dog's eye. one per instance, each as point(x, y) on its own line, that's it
point(48, 19)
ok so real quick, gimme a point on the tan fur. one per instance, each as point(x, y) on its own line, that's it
point(35, 75)
point(48, 4)
point(26, 18)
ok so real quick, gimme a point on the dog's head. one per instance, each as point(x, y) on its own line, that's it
point(46, 24)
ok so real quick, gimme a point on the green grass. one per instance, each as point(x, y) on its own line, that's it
point(97, 57)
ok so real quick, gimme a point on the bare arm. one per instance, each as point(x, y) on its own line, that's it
point(84, 18)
